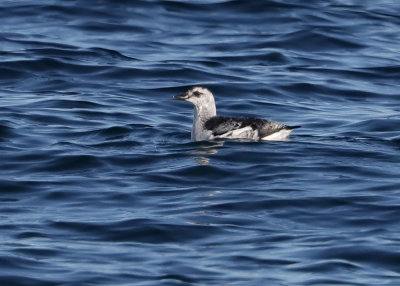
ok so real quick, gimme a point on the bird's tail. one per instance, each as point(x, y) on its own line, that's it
point(292, 127)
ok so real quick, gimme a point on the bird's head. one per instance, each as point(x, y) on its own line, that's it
point(199, 96)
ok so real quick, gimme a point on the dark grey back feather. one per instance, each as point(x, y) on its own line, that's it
point(219, 125)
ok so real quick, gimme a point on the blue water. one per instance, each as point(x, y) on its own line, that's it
point(100, 184)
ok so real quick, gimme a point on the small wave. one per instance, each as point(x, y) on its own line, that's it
point(138, 230)
point(71, 163)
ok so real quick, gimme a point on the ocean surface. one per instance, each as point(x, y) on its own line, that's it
point(101, 185)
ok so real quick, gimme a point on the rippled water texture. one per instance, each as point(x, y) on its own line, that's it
point(100, 184)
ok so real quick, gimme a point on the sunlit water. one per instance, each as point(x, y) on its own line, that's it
point(100, 184)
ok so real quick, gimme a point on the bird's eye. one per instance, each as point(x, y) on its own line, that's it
point(196, 93)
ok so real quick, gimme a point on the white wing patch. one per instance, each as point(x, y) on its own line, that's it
point(242, 133)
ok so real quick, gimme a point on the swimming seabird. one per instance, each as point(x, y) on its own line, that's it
point(207, 125)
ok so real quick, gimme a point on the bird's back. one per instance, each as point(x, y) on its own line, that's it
point(256, 128)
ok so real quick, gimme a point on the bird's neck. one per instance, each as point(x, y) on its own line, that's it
point(201, 115)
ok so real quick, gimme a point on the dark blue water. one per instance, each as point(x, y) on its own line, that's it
point(100, 184)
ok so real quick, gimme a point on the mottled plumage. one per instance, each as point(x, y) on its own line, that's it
point(220, 125)
point(207, 125)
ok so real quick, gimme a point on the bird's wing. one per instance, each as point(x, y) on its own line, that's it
point(220, 125)
point(269, 127)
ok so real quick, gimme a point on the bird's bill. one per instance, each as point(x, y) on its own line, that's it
point(181, 96)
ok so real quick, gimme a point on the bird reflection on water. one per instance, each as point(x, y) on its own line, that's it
point(206, 148)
